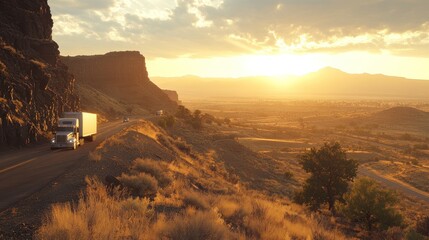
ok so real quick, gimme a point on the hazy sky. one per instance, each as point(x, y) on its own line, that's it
point(233, 38)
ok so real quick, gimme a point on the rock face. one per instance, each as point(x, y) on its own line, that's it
point(35, 86)
point(122, 75)
point(172, 95)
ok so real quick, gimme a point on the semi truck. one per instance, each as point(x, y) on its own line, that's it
point(73, 129)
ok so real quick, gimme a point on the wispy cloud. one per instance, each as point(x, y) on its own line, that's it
point(204, 28)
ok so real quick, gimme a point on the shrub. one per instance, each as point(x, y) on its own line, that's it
point(170, 120)
point(162, 123)
point(196, 200)
point(183, 146)
point(167, 121)
point(183, 112)
point(372, 206)
point(195, 226)
point(165, 141)
point(142, 184)
point(153, 168)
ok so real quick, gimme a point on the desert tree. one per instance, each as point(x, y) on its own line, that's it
point(370, 205)
point(330, 175)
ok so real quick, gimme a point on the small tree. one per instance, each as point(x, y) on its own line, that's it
point(331, 173)
point(183, 112)
point(370, 205)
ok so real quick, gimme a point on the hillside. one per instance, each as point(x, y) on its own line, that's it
point(107, 107)
point(409, 118)
point(121, 75)
point(327, 82)
point(402, 114)
point(177, 191)
point(35, 87)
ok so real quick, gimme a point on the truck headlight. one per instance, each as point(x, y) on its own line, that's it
point(71, 140)
point(53, 140)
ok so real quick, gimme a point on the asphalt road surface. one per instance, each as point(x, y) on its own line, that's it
point(25, 171)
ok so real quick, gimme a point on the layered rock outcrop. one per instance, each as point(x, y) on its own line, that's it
point(172, 95)
point(35, 87)
point(121, 75)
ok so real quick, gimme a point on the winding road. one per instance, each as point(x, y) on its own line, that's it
point(25, 171)
point(402, 187)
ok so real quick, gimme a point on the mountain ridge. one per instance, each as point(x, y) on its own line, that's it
point(325, 82)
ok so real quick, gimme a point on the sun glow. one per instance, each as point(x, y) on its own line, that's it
point(280, 65)
point(237, 66)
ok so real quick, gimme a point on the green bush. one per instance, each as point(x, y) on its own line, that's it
point(331, 173)
point(370, 205)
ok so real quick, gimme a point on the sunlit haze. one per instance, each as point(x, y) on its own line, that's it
point(230, 38)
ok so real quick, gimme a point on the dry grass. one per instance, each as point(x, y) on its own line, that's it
point(98, 216)
point(198, 203)
point(155, 168)
point(256, 218)
point(196, 200)
point(195, 225)
point(142, 184)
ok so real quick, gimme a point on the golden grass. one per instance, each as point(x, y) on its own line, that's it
point(197, 203)
point(155, 168)
point(195, 199)
point(142, 184)
point(98, 215)
point(195, 225)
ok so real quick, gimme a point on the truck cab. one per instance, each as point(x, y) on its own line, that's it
point(73, 128)
point(66, 134)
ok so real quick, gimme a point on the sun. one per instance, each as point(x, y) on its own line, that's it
point(279, 65)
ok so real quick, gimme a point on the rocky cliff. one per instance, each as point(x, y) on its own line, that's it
point(35, 86)
point(172, 95)
point(122, 75)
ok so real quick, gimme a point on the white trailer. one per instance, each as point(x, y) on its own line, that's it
point(87, 124)
point(73, 128)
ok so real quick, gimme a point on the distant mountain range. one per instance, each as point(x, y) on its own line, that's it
point(327, 82)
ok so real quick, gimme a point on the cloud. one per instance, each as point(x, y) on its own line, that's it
point(202, 28)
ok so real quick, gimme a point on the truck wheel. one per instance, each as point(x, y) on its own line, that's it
point(92, 138)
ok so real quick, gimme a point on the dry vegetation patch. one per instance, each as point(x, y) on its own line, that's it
point(188, 197)
point(98, 215)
